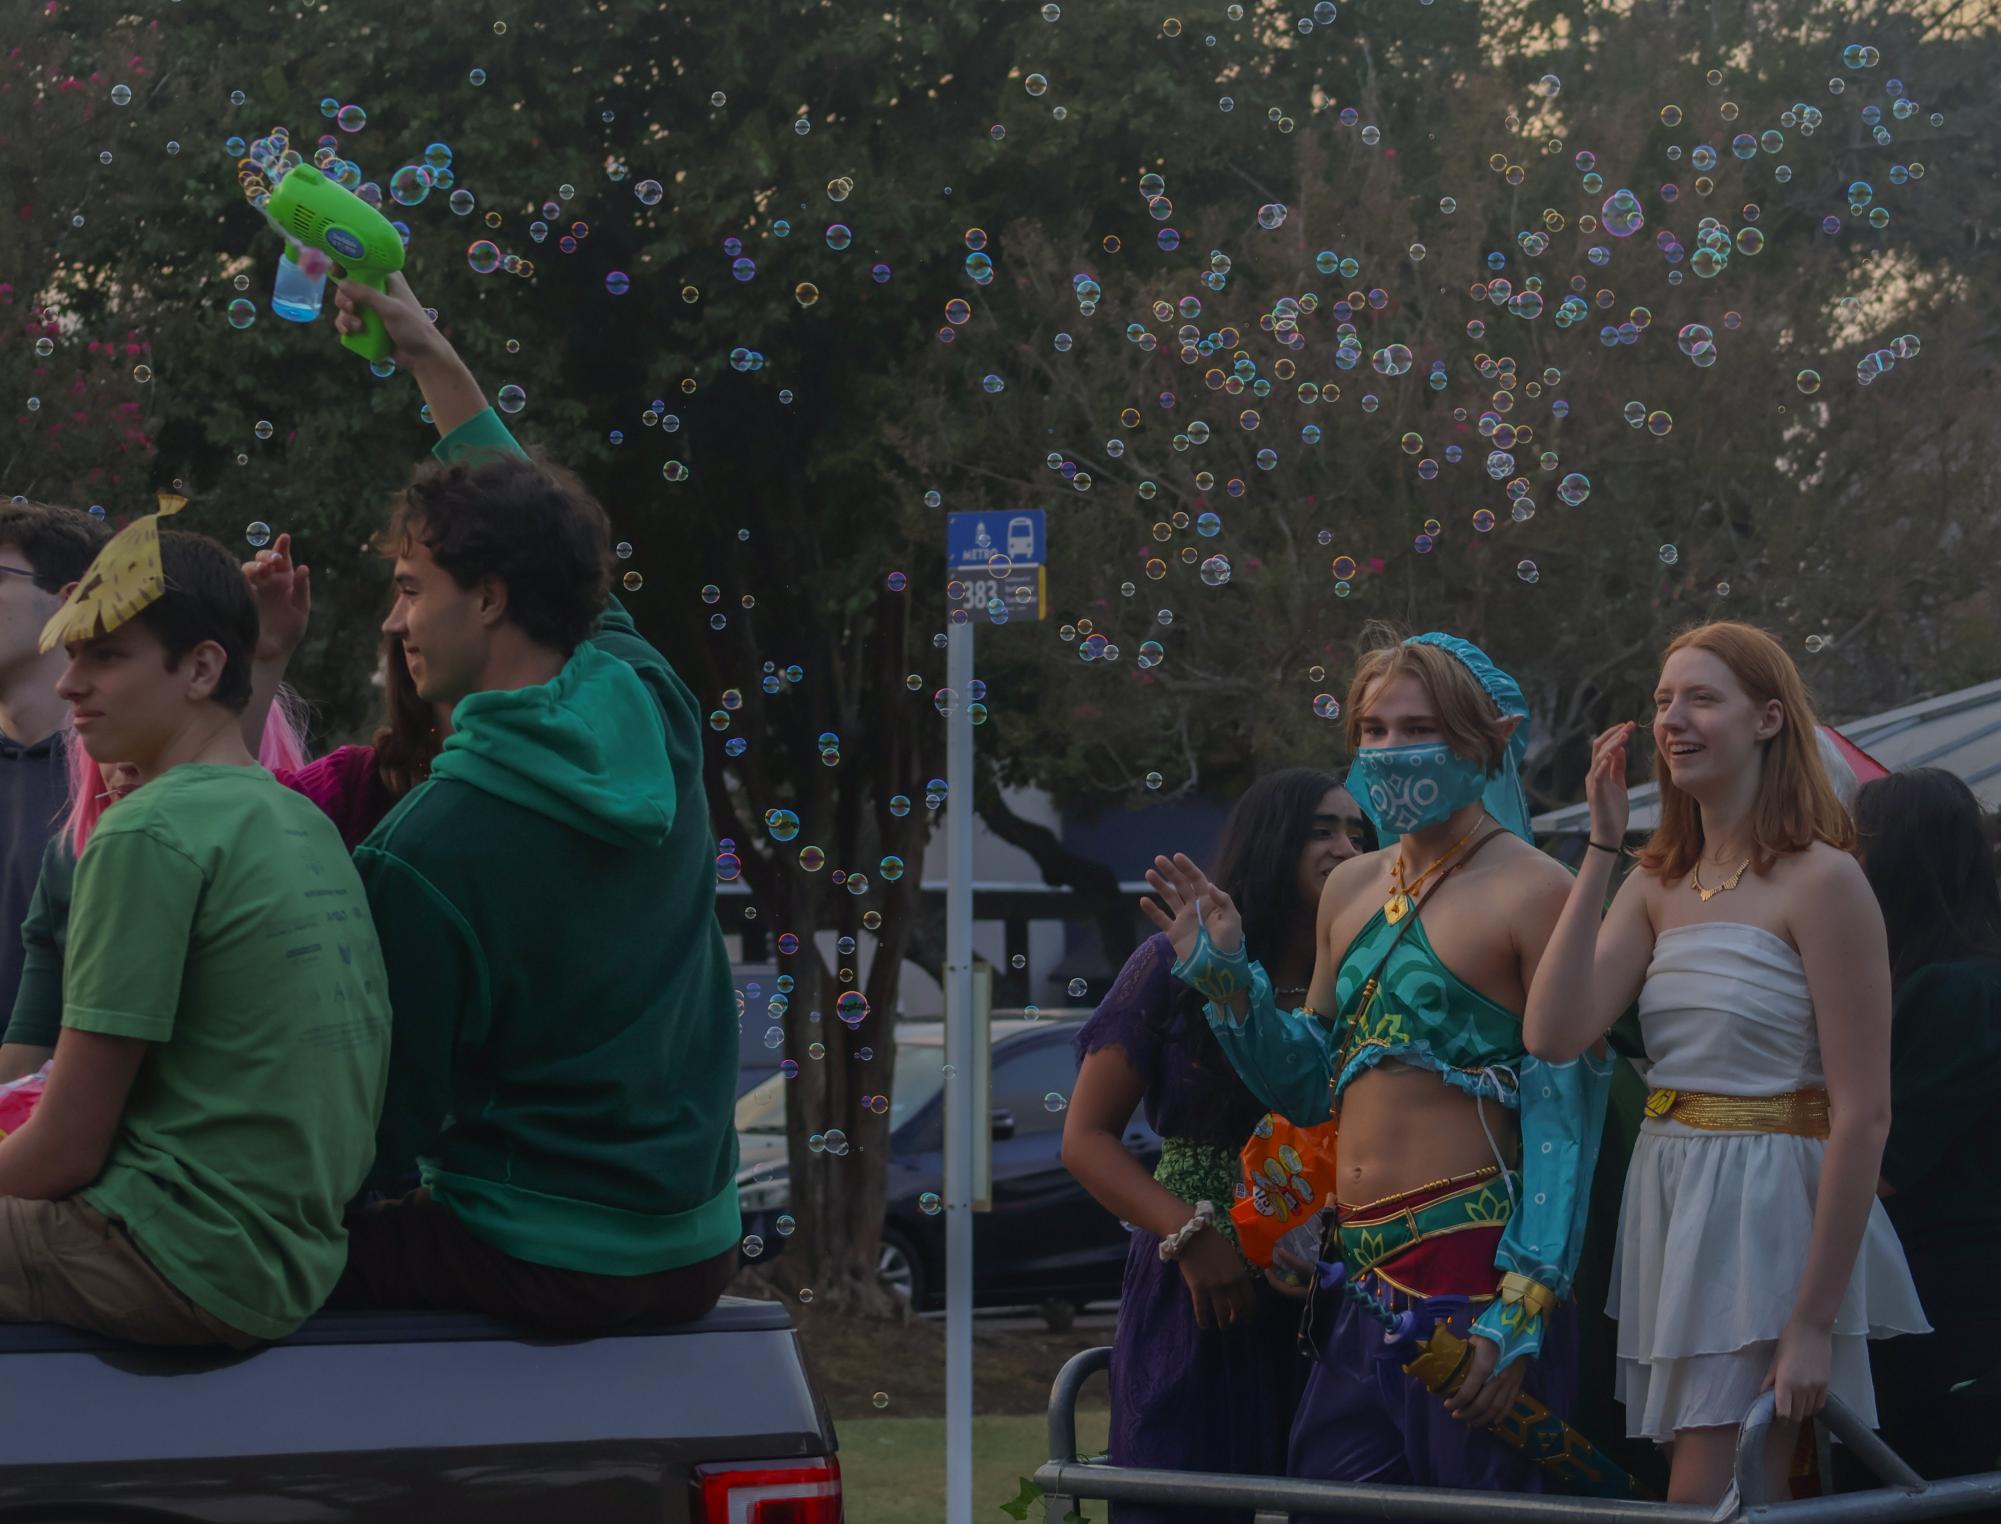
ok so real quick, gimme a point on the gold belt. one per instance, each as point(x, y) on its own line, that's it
point(1799, 1113)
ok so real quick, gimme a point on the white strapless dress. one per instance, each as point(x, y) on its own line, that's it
point(1714, 1227)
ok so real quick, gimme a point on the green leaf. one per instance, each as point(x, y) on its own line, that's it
point(1029, 1495)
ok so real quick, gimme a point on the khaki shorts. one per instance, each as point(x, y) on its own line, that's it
point(66, 1262)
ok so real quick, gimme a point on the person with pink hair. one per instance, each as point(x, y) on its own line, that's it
point(354, 786)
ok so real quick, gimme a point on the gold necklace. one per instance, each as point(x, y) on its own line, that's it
point(1706, 895)
point(1397, 906)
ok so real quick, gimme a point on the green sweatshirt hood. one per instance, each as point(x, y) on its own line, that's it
point(587, 749)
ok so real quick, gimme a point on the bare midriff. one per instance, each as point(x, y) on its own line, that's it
point(1403, 1127)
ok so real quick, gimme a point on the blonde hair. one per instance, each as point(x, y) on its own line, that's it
point(1472, 723)
point(1796, 804)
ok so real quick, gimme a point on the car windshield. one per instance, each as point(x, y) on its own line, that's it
point(920, 1074)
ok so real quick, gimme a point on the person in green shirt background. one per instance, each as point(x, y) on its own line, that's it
point(224, 1040)
point(564, 1039)
point(1927, 853)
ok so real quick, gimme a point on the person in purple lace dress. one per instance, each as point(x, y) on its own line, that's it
point(1205, 1367)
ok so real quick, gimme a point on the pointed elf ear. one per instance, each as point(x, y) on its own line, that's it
point(125, 577)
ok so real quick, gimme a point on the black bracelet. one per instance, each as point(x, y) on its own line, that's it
point(1600, 846)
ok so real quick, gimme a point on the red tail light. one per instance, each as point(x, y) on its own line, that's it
point(763, 1492)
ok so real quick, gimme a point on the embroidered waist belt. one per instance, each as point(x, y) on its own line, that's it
point(1797, 1113)
point(1380, 1230)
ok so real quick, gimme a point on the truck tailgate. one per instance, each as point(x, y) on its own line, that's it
point(399, 1416)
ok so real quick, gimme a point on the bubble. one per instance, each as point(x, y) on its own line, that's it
point(142, 373)
point(121, 95)
point(649, 192)
point(512, 399)
point(1215, 571)
point(1272, 215)
point(237, 98)
point(929, 1203)
point(462, 202)
point(1622, 213)
point(1054, 1101)
point(351, 119)
point(812, 859)
point(752, 1246)
point(410, 184)
point(476, 77)
point(263, 430)
point(1659, 422)
point(258, 533)
point(674, 471)
point(1669, 555)
point(1808, 381)
point(1036, 84)
point(632, 582)
point(242, 313)
point(993, 385)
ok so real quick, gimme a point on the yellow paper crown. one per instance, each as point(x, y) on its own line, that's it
point(125, 577)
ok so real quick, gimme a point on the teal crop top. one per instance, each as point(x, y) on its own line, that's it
point(1422, 1014)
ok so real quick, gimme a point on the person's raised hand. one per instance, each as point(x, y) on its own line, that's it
point(282, 590)
point(414, 337)
point(1182, 887)
point(1605, 785)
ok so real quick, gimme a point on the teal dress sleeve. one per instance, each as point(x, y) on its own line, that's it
point(481, 434)
point(38, 1004)
point(1563, 1120)
point(1283, 1057)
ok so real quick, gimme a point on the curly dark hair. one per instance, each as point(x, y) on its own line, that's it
point(532, 525)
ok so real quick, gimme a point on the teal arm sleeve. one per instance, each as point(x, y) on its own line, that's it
point(482, 434)
point(1563, 1118)
point(1281, 1056)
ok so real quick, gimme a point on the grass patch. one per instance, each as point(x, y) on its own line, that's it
point(893, 1469)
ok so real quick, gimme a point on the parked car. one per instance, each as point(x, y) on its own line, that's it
point(1045, 1239)
point(420, 1418)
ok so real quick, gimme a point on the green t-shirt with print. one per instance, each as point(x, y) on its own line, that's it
point(217, 917)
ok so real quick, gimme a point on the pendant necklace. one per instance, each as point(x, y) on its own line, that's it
point(1706, 895)
point(1397, 906)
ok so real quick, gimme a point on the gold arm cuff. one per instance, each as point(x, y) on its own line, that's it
point(1797, 1113)
point(1536, 1298)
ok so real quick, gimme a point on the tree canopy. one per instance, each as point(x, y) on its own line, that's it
point(1558, 324)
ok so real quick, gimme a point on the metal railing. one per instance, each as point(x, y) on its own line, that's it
point(1067, 1482)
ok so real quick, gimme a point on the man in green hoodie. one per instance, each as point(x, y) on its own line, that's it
point(563, 1053)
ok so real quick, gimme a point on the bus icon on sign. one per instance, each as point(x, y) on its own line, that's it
point(1020, 538)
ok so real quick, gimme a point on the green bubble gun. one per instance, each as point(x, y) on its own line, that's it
point(318, 213)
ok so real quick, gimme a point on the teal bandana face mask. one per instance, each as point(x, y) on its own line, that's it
point(1406, 788)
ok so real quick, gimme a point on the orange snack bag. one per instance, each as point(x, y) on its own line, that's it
point(1288, 1181)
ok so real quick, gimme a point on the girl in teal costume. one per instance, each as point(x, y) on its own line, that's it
point(1433, 1201)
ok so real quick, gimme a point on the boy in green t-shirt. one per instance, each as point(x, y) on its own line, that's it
point(225, 1033)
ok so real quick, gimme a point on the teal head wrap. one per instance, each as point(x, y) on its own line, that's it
point(1504, 796)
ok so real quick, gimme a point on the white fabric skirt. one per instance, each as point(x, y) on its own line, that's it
point(1713, 1236)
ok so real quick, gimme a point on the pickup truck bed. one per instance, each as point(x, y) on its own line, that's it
point(391, 1417)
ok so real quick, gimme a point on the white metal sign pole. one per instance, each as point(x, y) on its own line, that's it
point(960, 1114)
